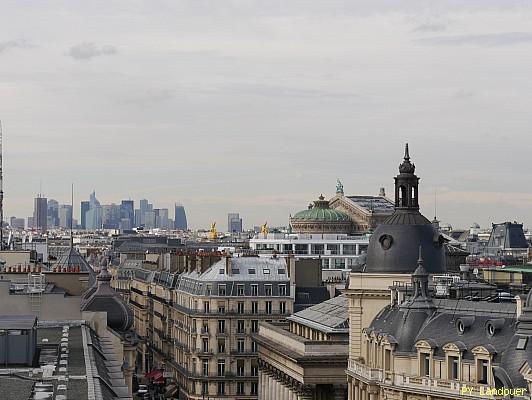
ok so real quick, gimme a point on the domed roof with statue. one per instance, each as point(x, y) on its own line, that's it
point(319, 217)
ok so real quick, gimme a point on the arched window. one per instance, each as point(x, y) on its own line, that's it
point(403, 198)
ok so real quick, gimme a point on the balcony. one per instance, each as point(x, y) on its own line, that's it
point(435, 386)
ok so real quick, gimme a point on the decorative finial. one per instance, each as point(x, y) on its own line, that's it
point(321, 197)
point(406, 166)
point(420, 258)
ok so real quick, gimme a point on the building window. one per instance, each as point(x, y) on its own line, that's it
point(268, 307)
point(282, 307)
point(240, 307)
point(254, 370)
point(254, 388)
point(204, 387)
point(482, 371)
point(221, 345)
point(240, 346)
point(221, 290)
point(221, 309)
point(221, 387)
point(282, 290)
point(205, 368)
point(268, 290)
point(387, 360)
point(255, 307)
point(240, 327)
point(206, 307)
point(453, 365)
point(240, 367)
point(221, 367)
point(205, 345)
point(254, 326)
point(205, 328)
point(240, 290)
point(209, 290)
point(240, 388)
point(254, 290)
point(254, 347)
point(221, 326)
point(424, 364)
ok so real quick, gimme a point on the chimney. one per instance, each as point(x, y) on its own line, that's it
point(228, 264)
point(520, 302)
point(382, 192)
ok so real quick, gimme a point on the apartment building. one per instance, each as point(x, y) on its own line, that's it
point(216, 312)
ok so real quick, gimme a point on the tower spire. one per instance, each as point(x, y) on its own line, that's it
point(407, 156)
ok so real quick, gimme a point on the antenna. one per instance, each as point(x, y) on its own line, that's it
point(435, 204)
point(72, 217)
point(1, 194)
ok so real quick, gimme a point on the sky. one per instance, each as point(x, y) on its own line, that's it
point(259, 106)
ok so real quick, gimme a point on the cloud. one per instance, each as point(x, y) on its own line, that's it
point(486, 40)
point(86, 51)
point(14, 44)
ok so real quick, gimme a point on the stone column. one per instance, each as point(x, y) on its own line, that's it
point(266, 393)
point(262, 385)
point(357, 249)
point(286, 393)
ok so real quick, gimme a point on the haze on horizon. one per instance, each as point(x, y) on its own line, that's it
point(257, 107)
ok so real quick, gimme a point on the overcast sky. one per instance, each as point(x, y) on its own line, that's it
point(258, 106)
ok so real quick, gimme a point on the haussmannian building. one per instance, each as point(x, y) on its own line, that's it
point(216, 312)
point(306, 358)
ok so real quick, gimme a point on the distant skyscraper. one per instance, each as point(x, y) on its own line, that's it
point(53, 213)
point(149, 219)
point(110, 216)
point(143, 207)
point(16, 223)
point(93, 217)
point(137, 218)
point(65, 215)
point(127, 211)
point(162, 220)
point(40, 213)
point(85, 206)
point(180, 218)
point(234, 223)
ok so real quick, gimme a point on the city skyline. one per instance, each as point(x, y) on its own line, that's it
point(273, 102)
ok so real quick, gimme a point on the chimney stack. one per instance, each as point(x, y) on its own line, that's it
point(228, 264)
point(382, 192)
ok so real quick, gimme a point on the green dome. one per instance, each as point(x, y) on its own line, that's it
point(320, 211)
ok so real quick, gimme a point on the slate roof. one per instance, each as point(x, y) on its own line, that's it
point(330, 316)
point(244, 269)
point(377, 204)
point(71, 258)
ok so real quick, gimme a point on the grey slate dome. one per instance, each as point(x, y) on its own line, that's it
point(104, 298)
point(393, 247)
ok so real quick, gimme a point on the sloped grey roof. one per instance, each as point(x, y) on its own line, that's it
point(377, 204)
point(71, 258)
point(243, 269)
point(331, 316)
